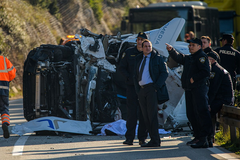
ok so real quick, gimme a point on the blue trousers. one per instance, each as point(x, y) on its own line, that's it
point(4, 103)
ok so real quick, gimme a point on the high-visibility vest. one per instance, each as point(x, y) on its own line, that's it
point(7, 74)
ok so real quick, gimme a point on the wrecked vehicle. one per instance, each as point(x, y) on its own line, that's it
point(80, 80)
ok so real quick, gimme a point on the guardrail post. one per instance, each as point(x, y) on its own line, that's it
point(230, 116)
point(233, 133)
point(225, 128)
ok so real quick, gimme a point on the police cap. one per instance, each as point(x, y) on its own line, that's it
point(195, 40)
point(227, 36)
point(142, 35)
point(213, 55)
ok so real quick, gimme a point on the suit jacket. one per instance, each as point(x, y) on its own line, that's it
point(158, 72)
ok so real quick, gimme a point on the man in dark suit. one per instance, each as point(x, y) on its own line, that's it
point(151, 74)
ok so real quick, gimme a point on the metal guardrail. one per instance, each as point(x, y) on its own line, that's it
point(230, 118)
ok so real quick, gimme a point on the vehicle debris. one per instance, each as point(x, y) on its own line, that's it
point(80, 81)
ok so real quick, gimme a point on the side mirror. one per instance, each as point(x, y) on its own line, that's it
point(198, 26)
point(123, 25)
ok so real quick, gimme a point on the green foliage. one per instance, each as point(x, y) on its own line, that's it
point(126, 11)
point(11, 24)
point(224, 140)
point(41, 3)
point(96, 6)
point(13, 94)
point(20, 25)
point(51, 5)
point(221, 138)
point(3, 44)
point(237, 98)
point(152, 1)
point(53, 8)
point(112, 1)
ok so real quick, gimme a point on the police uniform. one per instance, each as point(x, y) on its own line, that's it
point(133, 109)
point(220, 89)
point(196, 66)
point(209, 49)
point(7, 74)
point(230, 58)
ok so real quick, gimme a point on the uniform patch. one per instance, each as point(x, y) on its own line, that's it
point(202, 59)
point(123, 55)
point(212, 75)
point(132, 55)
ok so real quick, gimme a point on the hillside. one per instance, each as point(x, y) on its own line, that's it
point(26, 24)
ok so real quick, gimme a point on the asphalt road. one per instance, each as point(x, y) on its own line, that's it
point(90, 147)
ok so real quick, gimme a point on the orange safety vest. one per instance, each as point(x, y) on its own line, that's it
point(7, 74)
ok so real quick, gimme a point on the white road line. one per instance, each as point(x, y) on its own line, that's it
point(19, 145)
point(222, 154)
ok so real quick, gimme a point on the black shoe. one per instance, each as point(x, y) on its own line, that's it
point(195, 140)
point(201, 144)
point(128, 142)
point(210, 143)
point(5, 130)
point(210, 140)
point(149, 144)
point(142, 142)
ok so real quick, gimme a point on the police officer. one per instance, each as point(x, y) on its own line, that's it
point(7, 74)
point(149, 79)
point(133, 110)
point(230, 57)
point(194, 80)
point(220, 90)
point(206, 46)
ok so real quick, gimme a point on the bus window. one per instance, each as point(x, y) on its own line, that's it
point(226, 25)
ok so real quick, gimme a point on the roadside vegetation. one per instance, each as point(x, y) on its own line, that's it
point(20, 32)
point(224, 140)
point(96, 6)
point(51, 5)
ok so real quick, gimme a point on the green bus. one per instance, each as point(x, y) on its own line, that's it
point(200, 19)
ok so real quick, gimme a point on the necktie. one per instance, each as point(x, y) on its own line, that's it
point(141, 69)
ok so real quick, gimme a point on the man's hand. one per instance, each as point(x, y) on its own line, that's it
point(169, 47)
point(191, 80)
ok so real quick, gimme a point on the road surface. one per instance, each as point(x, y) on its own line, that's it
point(91, 147)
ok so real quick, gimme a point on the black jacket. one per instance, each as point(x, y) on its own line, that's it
point(196, 66)
point(158, 72)
point(220, 84)
point(127, 64)
point(230, 59)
